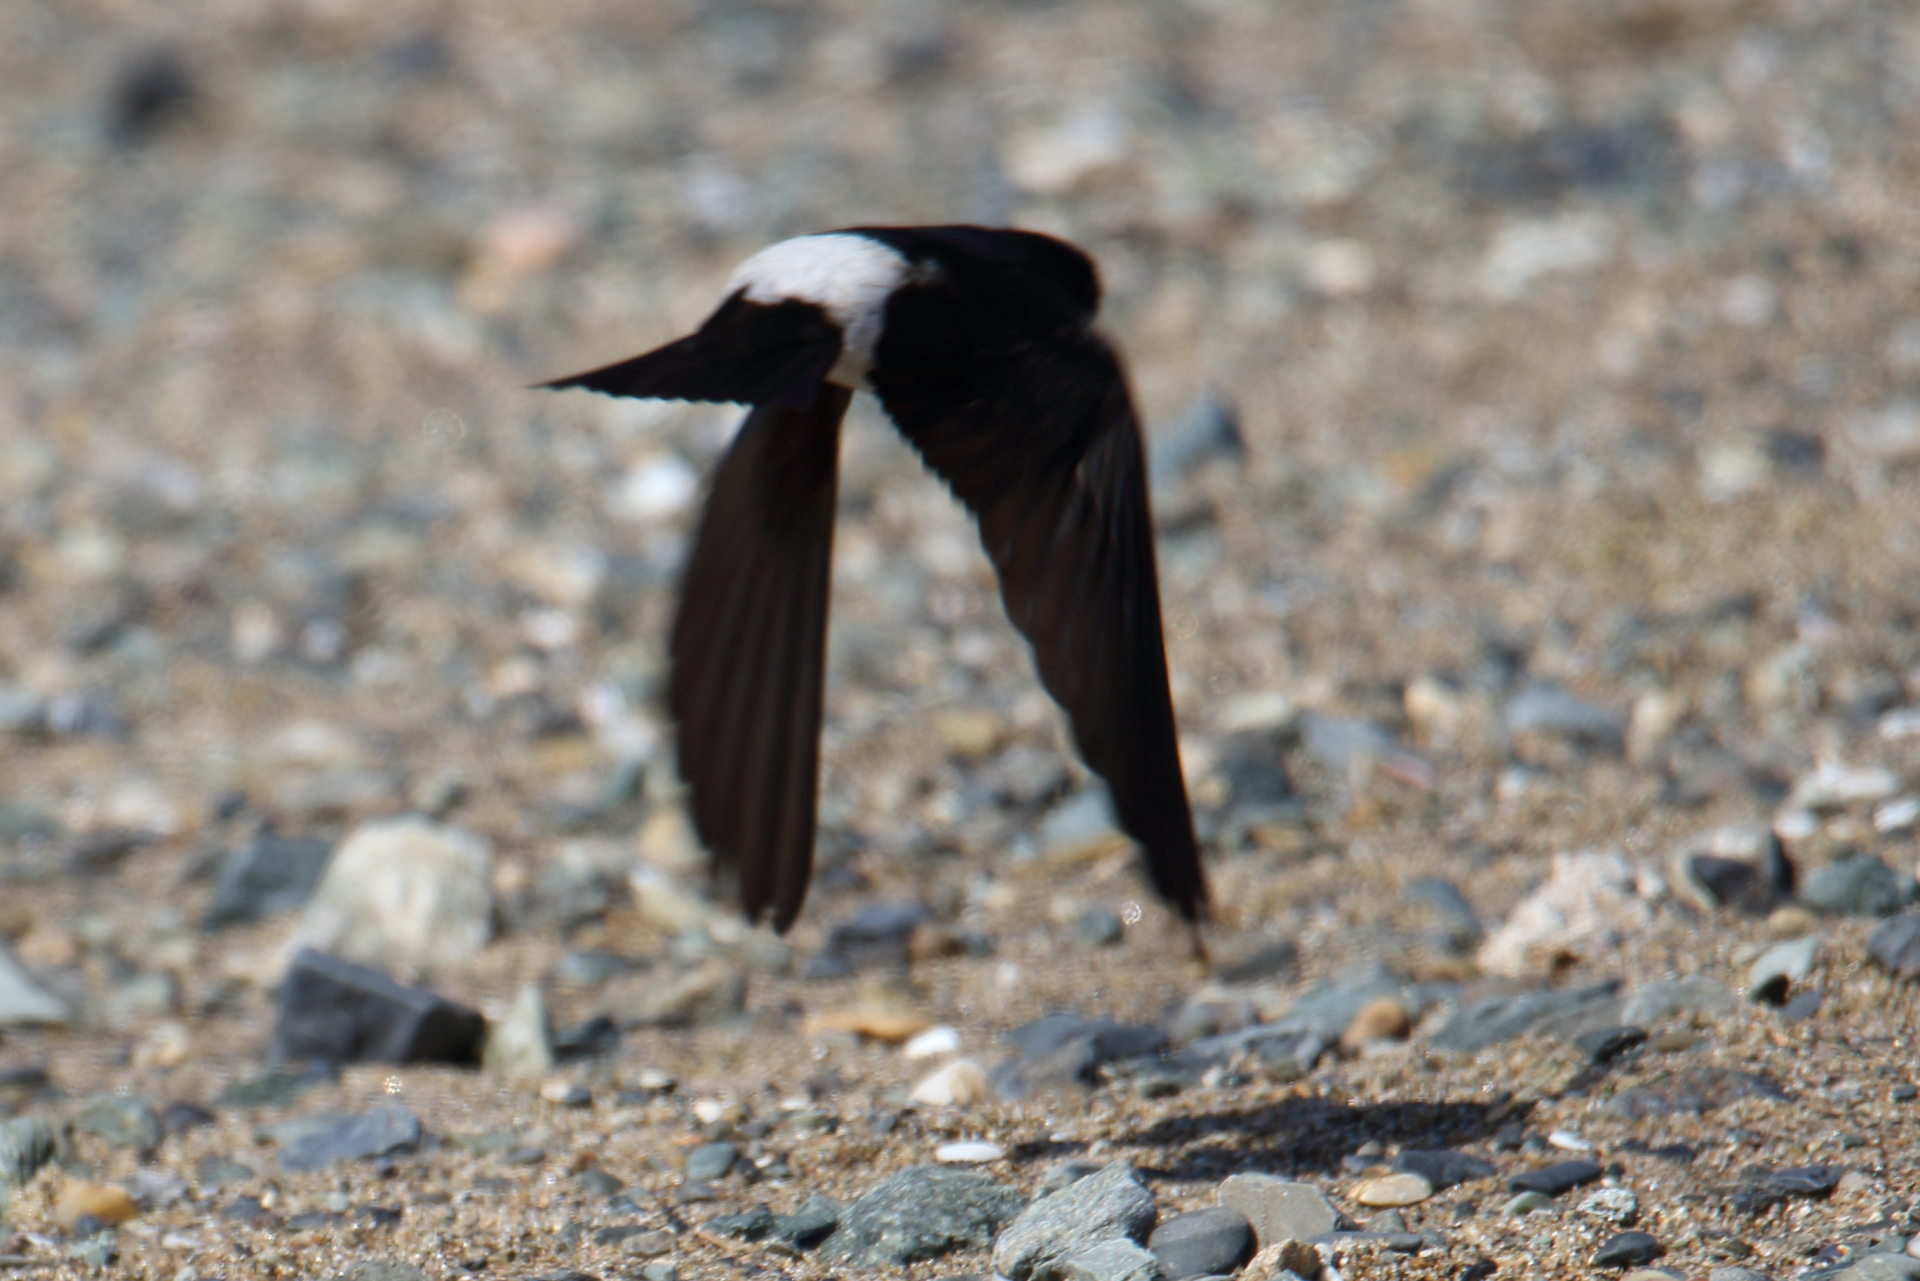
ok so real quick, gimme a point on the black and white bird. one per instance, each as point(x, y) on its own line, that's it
point(980, 345)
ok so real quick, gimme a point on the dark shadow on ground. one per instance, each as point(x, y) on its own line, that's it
point(1307, 1136)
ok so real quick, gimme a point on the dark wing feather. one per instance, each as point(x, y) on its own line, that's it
point(1037, 436)
point(748, 353)
point(749, 651)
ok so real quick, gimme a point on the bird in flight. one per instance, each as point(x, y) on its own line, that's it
point(979, 344)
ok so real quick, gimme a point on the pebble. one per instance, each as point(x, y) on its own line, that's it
point(1496, 1019)
point(968, 1152)
point(1392, 1190)
point(1381, 1019)
point(1883, 1267)
point(1118, 1260)
point(879, 935)
point(1264, 962)
point(1617, 1206)
point(314, 1142)
point(567, 1094)
point(1552, 1180)
point(710, 1161)
point(1894, 945)
point(1528, 1203)
point(1856, 884)
point(886, 1023)
point(1283, 1261)
point(1099, 927)
point(1588, 906)
point(26, 1144)
point(1108, 1205)
point(1280, 1210)
point(1665, 999)
point(79, 1199)
point(266, 876)
point(341, 1012)
point(1625, 1250)
point(124, 1120)
point(23, 1002)
point(958, 1084)
point(404, 893)
point(1777, 969)
point(1443, 1168)
point(920, 1213)
point(1066, 1049)
point(215, 1172)
point(1736, 1273)
point(1737, 865)
point(1202, 1243)
point(1605, 1044)
point(935, 1041)
point(1698, 1090)
point(521, 1043)
point(712, 992)
point(1568, 1141)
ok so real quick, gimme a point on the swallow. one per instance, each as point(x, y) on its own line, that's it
point(980, 345)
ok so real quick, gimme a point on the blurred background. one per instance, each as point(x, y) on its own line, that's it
point(1534, 389)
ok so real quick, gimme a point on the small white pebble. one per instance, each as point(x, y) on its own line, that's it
point(958, 1084)
point(940, 1039)
point(1568, 1141)
point(707, 1111)
point(968, 1153)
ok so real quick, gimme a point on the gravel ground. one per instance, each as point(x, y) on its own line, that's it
point(1535, 394)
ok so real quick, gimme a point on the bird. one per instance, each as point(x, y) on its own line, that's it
point(980, 345)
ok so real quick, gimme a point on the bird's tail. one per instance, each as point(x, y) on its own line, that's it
point(748, 353)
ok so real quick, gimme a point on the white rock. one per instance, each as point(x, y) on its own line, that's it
point(1589, 905)
point(1528, 248)
point(958, 1084)
point(939, 1039)
point(658, 488)
point(22, 1001)
point(403, 894)
point(968, 1153)
point(1568, 1141)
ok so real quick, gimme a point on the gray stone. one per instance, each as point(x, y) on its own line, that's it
point(1099, 927)
point(920, 1213)
point(1664, 999)
point(1445, 897)
point(124, 1120)
point(381, 1270)
point(1281, 1210)
point(1495, 1019)
point(340, 1012)
point(1443, 1168)
point(813, 1222)
point(711, 1161)
point(1617, 1206)
point(1068, 1173)
point(1065, 1049)
point(1263, 962)
point(1552, 1180)
point(1116, 1260)
point(1547, 710)
point(1698, 1090)
point(1528, 1203)
point(264, 876)
point(1283, 1053)
point(24, 1002)
point(1895, 945)
point(1605, 1044)
point(26, 1144)
point(1779, 968)
point(1626, 1249)
point(1110, 1204)
point(876, 936)
point(712, 992)
point(314, 1142)
point(1856, 884)
point(1734, 1273)
point(215, 1172)
point(1883, 1267)
point(521, 1044)
point(1203, 1243)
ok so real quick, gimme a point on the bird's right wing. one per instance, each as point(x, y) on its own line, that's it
point(1038, 438)
point(749, 353)
point(749, 651)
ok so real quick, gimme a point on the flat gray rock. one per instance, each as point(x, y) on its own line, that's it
point(26, 1144)
point(920, 1213)
point(1117, 1260)
point(312, 1143)
point(1501, 1018)
point(1280, 1210)
point(1857, 884)
point(1895, 945)
point(1698, 1090)
point(1105, 1206)
point(265, 875)
point(124, 1120)
point(22, 1001)
point(1883, 1267)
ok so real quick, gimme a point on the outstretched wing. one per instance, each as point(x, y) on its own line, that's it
point(1037, 436)
point(749, 651)
point(749, 353)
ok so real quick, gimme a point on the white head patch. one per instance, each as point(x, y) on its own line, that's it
point(847, 276)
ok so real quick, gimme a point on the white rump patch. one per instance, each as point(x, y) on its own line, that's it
point(847, 276)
